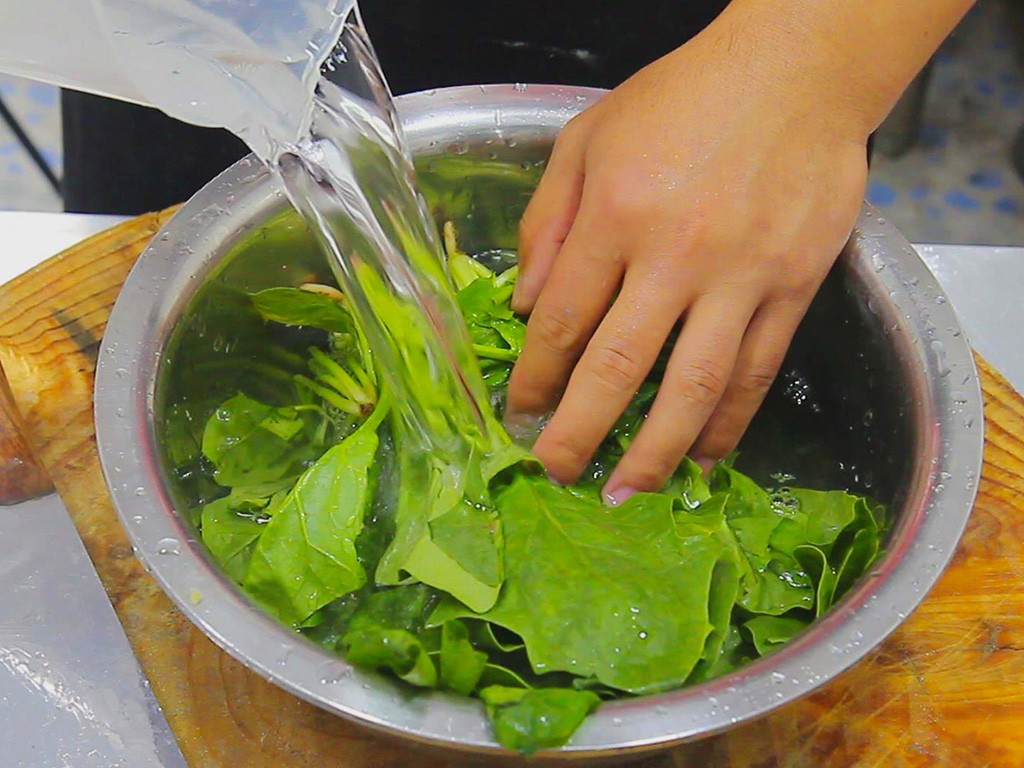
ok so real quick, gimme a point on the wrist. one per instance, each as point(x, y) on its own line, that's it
point(846, 60)
point(777, 58)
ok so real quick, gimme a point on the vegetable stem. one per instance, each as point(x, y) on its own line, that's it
point(332, 373)
point(495, 353)
point(328, 394)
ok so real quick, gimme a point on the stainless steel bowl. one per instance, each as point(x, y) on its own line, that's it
point(879, 380)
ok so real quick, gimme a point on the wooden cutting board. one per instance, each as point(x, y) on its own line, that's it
point(947, 689)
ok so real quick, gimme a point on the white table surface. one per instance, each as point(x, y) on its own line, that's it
point(26, 239)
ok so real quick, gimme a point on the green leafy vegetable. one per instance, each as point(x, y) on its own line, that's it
point(769, 632)
point(294, 306)
point(230, 531)
point(597, 591)
point(464, 560)
point(528, 720)
point(253, 443)
point(383, 635)
point(468, 533)
point(468, 571)
point(461, 663)
point(306, 558)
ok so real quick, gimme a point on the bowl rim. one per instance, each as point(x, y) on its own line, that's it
point(934, 354)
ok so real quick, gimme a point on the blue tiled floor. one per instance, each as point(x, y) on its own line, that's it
point(22, 186)
point(955, 186)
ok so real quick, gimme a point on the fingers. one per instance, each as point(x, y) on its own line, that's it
point(549, 217)
point(761, 354)
point(699, 368)
point(617, 359)
point(576, 296)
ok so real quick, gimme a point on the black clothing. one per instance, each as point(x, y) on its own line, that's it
point(121, 158)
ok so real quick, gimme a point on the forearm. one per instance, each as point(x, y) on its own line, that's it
point(858, 55)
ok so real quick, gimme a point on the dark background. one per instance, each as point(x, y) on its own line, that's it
point(124, 159)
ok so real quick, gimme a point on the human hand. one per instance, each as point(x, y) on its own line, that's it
point(716, 186)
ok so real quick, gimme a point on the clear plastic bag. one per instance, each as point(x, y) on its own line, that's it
point(246, 65)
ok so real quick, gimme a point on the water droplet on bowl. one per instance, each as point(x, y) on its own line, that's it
point(168, 546)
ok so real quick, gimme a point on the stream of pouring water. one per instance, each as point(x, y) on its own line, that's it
point(352, 179)
point(299, 82)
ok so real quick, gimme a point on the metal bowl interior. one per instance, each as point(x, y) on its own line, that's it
point(879, 395)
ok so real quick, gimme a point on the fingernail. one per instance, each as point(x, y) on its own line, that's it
point(517, 294)
point(521, 295)
point(555, 481)
point(618, 495)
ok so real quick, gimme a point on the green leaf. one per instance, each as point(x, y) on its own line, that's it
point(781, 586)
point(512, 331)
point(306, 558)
point(540, 598)
point(467, 533)
point(431, 488)
point(393, 649)
point(819, 518)
point(484, 301)
point(328, 625)
point(383, 634)
point(823, 576)
point(251, 443)
point(746, 498)
point(181, 438)
point(528, 720)
point(403, 607)
point(461, 663)
point(430, 564)
point(771, 632)
point(498, 674)
point(493, 638)
point(861, 555)
point(465, 269)
point(229, 536)
point(496, 332)
point(768, 532)
point(295, 306)
point(596, 591)
point(723, 593)
point(735, 653)
point(688, 483)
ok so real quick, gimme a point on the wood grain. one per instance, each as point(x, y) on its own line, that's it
point(22, 477)
point(946, 690)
